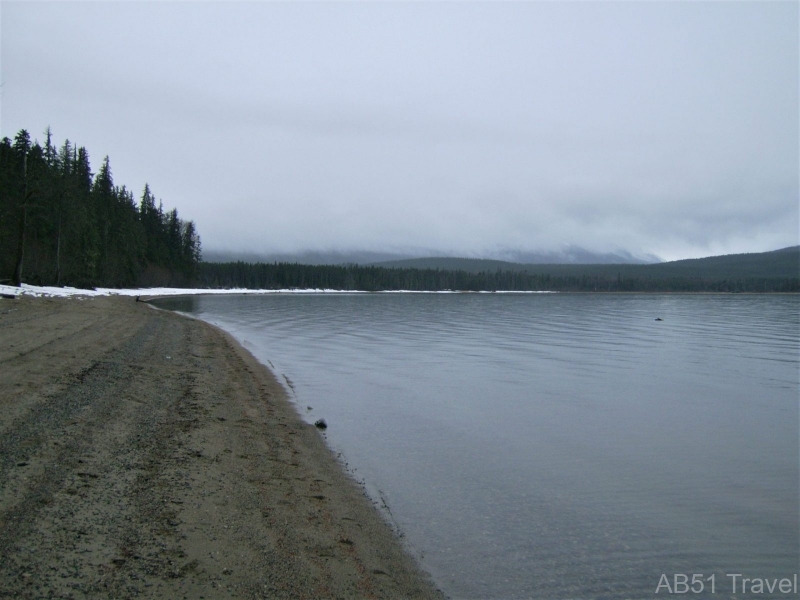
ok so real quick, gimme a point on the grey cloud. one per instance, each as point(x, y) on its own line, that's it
point(472, 128)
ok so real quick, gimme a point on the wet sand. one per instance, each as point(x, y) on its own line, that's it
point(144, 454)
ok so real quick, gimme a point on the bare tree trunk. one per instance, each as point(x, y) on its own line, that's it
point(58, 248)
point(17, 279)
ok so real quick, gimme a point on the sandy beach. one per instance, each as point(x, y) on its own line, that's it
point(144, 454)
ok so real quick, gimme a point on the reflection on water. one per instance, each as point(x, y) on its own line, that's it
point(555, 446)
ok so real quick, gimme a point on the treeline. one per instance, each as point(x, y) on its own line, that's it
point(373, 278)
point(62, 225)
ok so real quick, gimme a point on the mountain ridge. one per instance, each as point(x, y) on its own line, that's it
point(784, 262)
point(568, 255)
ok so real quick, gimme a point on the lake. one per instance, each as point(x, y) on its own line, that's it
point(554, 445)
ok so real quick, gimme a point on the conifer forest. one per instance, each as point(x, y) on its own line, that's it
point(62, 224)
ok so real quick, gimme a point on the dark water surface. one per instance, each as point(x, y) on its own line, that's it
point(559, 445)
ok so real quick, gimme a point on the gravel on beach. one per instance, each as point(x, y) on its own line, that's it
point(145, 454)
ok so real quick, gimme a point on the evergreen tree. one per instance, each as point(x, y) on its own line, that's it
point(8, 216)
point(104, 198)
point(151, 222)
point(20, 199)
point(49, 149)
point(190, 248)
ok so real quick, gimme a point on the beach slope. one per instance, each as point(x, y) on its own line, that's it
point(144, 454)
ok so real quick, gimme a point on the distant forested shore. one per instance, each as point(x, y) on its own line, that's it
point(62, 225)
point(771, 272)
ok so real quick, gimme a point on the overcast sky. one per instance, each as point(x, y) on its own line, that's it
point(465, 128)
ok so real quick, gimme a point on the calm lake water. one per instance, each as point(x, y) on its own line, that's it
point(554, 445)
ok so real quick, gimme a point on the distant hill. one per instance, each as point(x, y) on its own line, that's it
point(575, 255)
point(784, 263)
point(470, 265)
point(567, 255)
point(776, 264)
point(304, 258)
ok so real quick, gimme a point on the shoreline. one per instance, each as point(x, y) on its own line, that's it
point(146, 454)
point(148, 294)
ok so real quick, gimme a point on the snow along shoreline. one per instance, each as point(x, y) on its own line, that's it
point(66, 292)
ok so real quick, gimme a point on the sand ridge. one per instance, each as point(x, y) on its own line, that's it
point(144, 454)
